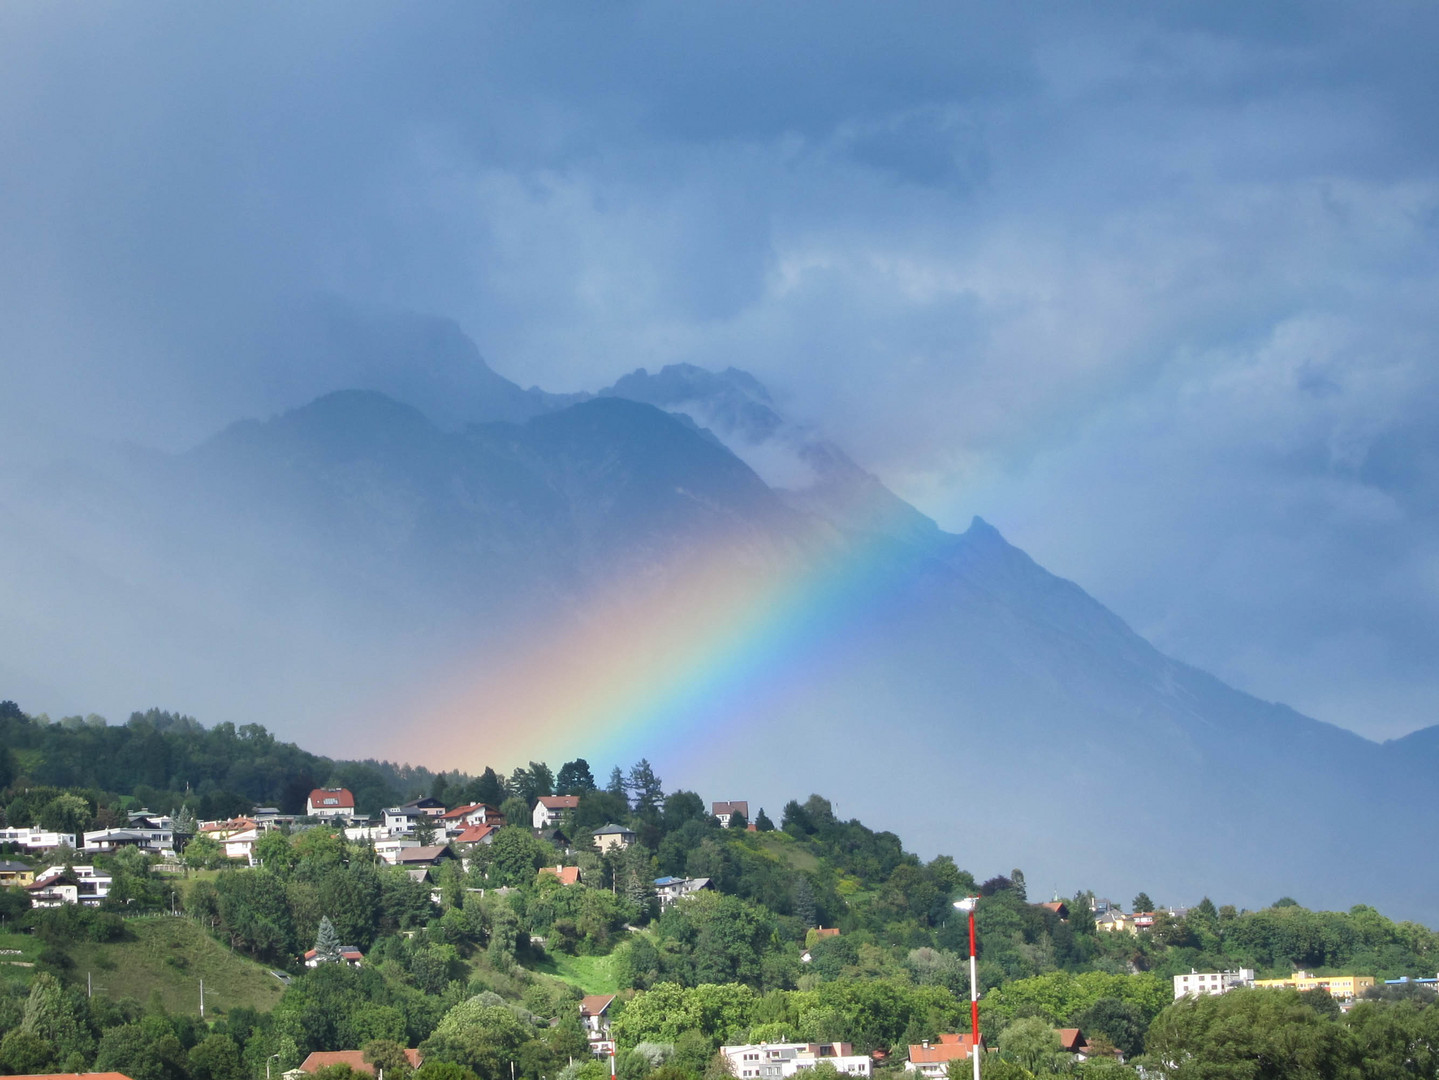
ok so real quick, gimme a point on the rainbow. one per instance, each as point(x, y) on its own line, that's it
point(641, 669)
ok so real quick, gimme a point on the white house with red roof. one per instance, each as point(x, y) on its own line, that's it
point(727, 810)
point(334, 802)
point(473, 814)
point(348, 955)
point(596, 1024)
point(931, 1059)
point(550, 809)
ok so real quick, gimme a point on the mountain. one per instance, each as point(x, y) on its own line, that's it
point(670, 568)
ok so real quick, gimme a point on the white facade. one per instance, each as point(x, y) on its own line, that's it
point(103, 841)
point(36, 838)
point(389, 850)
point(1211, 982)
point(551, 809)
point(775, 1061)
point(53, 887)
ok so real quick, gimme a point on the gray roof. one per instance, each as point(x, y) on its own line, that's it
point(8, 866)
point(614, 830)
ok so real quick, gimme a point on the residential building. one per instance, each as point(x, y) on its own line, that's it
point(106, 841)
point(568, 875)
point(401, 820)
point(1211, 982)
point(931, 1059)
point(79, 885)
point(1340, 987)
point(551, 810)
point(426, 855)
point(773, 1061)
point(389, 849)
point(670, 889)
point(726, 810)
point(1059, 907)
point(427, 807)
point(473, 814)
point(355, 1059)
point(475, 834)
point(1115, 921)
point(330, 803)
point(611, 837)
point(237, 836)
point(36, 838)
point(593, 1010)
point(348, 955)
point(15, 874)
point(1072, 1041)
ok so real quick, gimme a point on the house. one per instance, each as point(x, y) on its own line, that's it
point(550, 810)
point(15, 874)
point(1072, 1041)
point(1059, 907)
point(355, 1059)
point(1115, 921)
point(553, 836)
point(611, 837)
point(596, 1024)
point(425, 807)
point(931, 1059)
point(670, 889)
point(568, 875)
point(107, 841)
point(428, 855)
point(473, 814)
point(348, 955)
point(400, 820)
point(1340, 987)
point(330, 803)
point(82, 885)
point(237, 836)
point(1211, 982)
point(388, 850)
point(772, 1061)
point(476, 834)
point(726, 810)
point(36, 838)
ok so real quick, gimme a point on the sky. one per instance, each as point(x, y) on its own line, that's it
point(1150, 288)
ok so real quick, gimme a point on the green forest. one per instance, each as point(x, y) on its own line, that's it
point(482, 966)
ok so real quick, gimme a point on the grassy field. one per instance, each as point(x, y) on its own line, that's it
point(13, 967)
point(778, 845)
point(170, 956)
point(592, 974)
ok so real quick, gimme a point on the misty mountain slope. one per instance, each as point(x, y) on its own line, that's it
point(810, 473)
point(338, 561)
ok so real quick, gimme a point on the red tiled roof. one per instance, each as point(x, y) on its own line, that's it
point(560, 802)
point(568, 875)
point(72, 1076)
point(347, 952)
point(460, 811)
point(1071, 1040)
point(595, 1004)
point(332, 798)
point(826, 931)
point(473, 834)
point(355, 1059)
point(949, 1048)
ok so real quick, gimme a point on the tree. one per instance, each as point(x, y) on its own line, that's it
point(388, 1056)
point(216, 1057)
point(327, 943)
point(488, 789)
point(479, 1036)
point(802, 896)
point(645, 789)
point(574, 778)
point(616, 786)
point(1143, 903)
point(762, 823)
point(1033, 1044)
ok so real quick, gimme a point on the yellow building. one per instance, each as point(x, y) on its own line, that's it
point(1340, 987)
point(15, 874)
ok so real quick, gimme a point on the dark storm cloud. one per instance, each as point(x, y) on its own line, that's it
point(1151, 288)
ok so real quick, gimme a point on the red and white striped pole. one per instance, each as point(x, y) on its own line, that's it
point(968, 905)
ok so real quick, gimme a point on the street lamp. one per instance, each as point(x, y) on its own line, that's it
point(968, 905)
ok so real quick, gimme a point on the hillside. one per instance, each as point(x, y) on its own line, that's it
point(670, 560)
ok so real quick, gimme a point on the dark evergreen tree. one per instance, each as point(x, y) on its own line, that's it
point(645, 789)
point(1143, 903)
point(616, 786)
point(327, 942)
point(574, 778)
point(488, 789)
point(762, 823)
point(802, 899)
